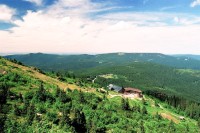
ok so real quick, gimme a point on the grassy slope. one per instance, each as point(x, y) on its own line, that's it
point(35, 77)
point(31, 73)
point(165, 113)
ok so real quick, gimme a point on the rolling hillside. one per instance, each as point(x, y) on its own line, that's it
point(50, 62)
point(149, 76)
point(196, 57)
point(34, 102)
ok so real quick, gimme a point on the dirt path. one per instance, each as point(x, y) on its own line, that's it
point(130, 96)
point(169, 117)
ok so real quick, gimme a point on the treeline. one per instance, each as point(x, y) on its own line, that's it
point(71, 78)
point(16, 61)
point(62, 75)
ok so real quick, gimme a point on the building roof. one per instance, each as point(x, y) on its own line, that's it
point(115, 87)
point(132, 89)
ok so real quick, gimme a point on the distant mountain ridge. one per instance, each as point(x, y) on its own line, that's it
point(54, 62)
point(197, 57)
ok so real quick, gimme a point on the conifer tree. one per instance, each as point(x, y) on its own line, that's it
point(3, 93)
point(142, 130)
point(57, 91)
point(171, 127)
point(65, 120)
point(198, 123)
point(20, 97)
point(144, 110)
point(79, 122)
point(63, 97)
point(125, 104)
point(81, 97)
point(40, 94)
point(2, 122)
point(16, 111)
point(187, 128)
point(31, 114)
point(26, 105)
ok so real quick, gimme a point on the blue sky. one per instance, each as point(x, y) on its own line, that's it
point(88, 26)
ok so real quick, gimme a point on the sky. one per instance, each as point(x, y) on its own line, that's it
point(100, 26)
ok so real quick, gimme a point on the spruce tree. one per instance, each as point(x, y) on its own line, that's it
point(79, 122)
point(26, 105)
point(31, 114)
point(187, 128)
point(144, 110)
point(4, 89)
point(125, 104)
point(198, 123)
point(171, 127)
point(57, 91)
point(20, 97)
point(142, 130)
point(63, 97)
point(16, 110)
point(2, 122)
point(81, 97)
point(40, 94)
point(65, 120)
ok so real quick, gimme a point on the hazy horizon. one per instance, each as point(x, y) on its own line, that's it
point(19, 53)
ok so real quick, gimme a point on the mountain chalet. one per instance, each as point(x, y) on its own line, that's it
point(126, 91)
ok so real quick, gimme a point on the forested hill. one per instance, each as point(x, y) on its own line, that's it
point(52, 62)
point(31, 101)
point(149, 76)
point(197, 57)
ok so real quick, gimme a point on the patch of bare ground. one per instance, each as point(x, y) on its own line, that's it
point(169, 117)
point(130, 96)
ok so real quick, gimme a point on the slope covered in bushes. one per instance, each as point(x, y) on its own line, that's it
point(33, 102)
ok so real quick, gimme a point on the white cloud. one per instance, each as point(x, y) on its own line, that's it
point(195, 3)
point(69, 30)
point(74, 3)
point(187, 20)
point(6, 13)
point(176, 20)
point(37, 2)
point(142, 18)
point(169, 7)
point(74, 7)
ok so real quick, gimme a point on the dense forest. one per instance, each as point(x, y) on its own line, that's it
point(53, 62)
point(149, 76)
point(178, 88)
point(34, 102)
